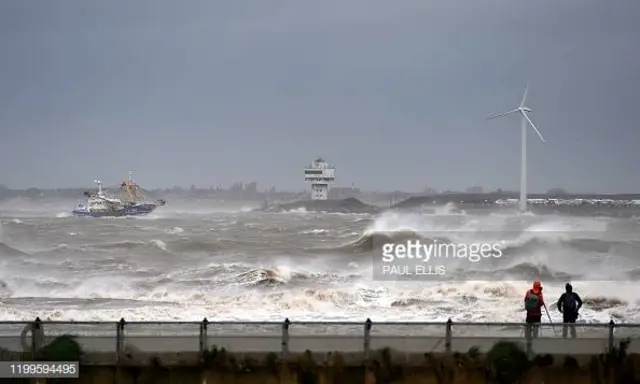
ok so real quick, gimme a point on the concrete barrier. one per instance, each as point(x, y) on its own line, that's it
point(112, 338)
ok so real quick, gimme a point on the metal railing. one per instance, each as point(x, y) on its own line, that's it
point(283, 338)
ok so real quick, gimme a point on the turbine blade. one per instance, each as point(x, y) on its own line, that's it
point(534, 127)
point(524, 97)
point(502, 114)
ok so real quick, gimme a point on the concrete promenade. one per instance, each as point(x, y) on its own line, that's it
point(109, 340)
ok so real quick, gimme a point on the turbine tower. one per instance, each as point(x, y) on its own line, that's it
point(522, 110)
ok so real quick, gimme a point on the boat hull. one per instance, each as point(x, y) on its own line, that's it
point(131, 210)
point(87, 213)
point(140, 209)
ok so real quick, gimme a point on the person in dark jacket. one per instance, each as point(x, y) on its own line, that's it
point(569, 304)
point(534, 302)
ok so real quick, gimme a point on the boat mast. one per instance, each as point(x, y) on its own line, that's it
point(131, 189)
point(99, 183)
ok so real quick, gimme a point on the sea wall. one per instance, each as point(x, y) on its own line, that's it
point(498, 360)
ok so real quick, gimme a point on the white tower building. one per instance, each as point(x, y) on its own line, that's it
point(319, 174)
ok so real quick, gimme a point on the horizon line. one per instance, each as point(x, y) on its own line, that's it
point(362, 191)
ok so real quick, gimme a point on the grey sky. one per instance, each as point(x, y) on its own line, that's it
point(393, 92)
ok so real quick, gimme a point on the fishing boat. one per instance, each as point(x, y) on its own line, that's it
point(98, 204)
point(132, 203)
point(133, 200)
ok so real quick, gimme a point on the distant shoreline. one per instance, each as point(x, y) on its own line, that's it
point(394, 197)
point(468, 203)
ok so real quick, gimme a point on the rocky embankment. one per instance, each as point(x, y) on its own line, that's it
point(350, 205)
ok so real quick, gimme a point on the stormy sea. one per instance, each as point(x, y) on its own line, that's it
point(228, 261)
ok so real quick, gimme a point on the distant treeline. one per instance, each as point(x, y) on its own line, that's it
point(71, 193)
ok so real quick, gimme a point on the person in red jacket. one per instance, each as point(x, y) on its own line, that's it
point(533, 302)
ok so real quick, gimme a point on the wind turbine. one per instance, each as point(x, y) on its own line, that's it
point(522, 110)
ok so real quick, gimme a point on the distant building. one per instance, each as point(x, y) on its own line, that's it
point(475, 190)
point(320, 175)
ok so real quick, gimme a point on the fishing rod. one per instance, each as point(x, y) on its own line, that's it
point(550, 322)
